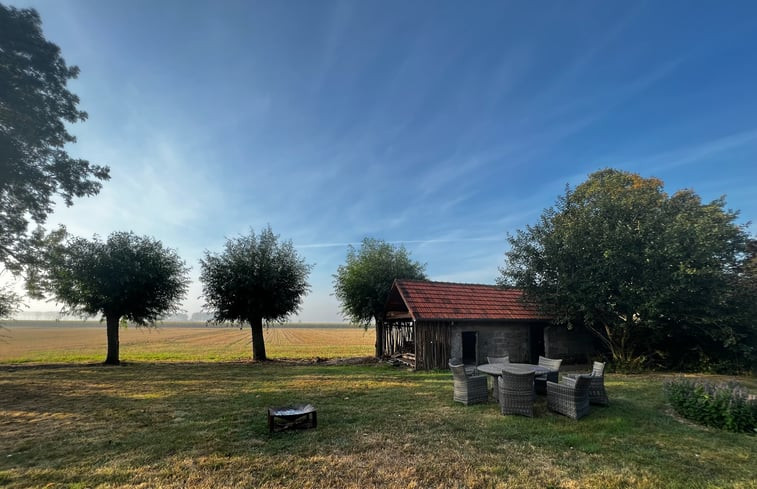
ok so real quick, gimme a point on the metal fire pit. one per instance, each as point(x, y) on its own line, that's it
point(298, 416)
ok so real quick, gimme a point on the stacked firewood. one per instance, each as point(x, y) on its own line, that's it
point(402, 359)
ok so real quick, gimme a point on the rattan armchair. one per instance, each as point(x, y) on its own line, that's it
point(570, 397)
point(540, 381)
point(516, 393)
point(597, 392)
point(502, 359)
point(468, 389)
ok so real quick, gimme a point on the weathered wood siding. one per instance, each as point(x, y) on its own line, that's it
point(432, 345)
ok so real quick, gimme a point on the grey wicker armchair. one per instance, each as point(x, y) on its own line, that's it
point(468, 389)
point(597, 392)
point(540, 381)
point(570, 397)
point(516, 393)
point(502, 359)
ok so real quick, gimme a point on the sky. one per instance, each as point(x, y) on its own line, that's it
point(442, 126)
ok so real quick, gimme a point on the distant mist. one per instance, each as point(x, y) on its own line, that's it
point(57, 316)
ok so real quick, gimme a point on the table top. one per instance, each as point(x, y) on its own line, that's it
point(519, 368)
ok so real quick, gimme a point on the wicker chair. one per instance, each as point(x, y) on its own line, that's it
point(516, 393)
point(540, 381)
point(570, 397)
point(468, 389)
point(597, 392)
point(503, 359)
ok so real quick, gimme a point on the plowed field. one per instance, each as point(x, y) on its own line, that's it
point(51, 344)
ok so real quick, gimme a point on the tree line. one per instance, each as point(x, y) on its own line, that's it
point(661, 280)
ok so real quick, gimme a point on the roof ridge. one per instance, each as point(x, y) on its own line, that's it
point(494, 286)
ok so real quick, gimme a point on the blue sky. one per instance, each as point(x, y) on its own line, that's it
point(441, 125)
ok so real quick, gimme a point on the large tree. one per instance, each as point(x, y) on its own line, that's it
point(256, 279)
point(35, 108)
point(363, 283)
point(127, 277)
point(648, 273)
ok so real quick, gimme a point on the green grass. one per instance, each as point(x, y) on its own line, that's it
point(204, 425)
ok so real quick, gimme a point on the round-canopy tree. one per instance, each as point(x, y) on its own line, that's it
point(255, 279)
point(127, 277)
point(363, 283)
point(646, 272)
point(35, 106)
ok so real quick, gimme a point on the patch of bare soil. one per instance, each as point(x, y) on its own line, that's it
point(329, 361)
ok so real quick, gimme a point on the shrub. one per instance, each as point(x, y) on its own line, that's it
point(725, 406)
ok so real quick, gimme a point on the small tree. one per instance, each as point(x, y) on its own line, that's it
point(646, 272)
point(35, 108)
point(255, 279)
point(127, 277)
point(362, 284)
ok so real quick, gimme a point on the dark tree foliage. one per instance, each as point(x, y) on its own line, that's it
point(256, 279)
point(127, 277)
point(656, 277)
point(8, 302)
point(363, 283)
point(35, 105)
point(750, 261)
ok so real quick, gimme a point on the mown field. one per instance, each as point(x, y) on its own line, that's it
point(188, 409)
point(203, 425)
point(51, 342)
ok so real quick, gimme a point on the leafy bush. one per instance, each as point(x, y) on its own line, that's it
point(725, 406)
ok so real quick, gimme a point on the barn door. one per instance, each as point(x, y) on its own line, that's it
point(470, 347)
point(536, 342)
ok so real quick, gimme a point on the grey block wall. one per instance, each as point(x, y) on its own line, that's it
point(497, 339)
point(493, 339)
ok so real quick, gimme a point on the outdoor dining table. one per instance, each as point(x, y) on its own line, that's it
point(495, 371)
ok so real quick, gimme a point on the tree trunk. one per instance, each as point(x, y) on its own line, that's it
point(258, 344)
point(111, 322)
point(615, 338)
point(379, 338)
point(618, 339)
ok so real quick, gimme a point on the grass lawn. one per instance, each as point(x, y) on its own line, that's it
point(203, 425)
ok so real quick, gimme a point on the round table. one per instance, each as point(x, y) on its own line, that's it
point(495, 370)
point(517, 368)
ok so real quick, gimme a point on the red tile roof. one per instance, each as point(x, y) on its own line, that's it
point(442, 300)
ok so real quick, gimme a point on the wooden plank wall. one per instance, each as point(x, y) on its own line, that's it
point(432, 345)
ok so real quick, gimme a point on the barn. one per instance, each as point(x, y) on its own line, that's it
point(436, 321)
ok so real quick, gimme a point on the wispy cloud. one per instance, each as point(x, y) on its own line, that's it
point(402, 242)
point(440, 132)
point(682, 156)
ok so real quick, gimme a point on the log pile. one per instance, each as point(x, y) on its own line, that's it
point(402, 359)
